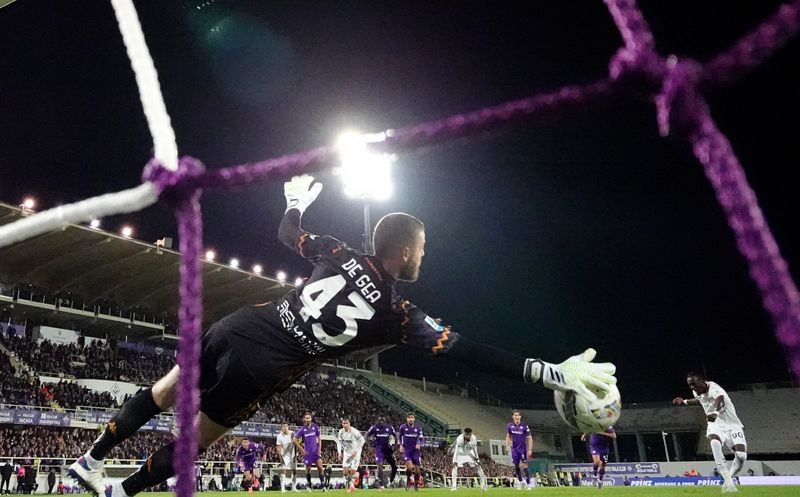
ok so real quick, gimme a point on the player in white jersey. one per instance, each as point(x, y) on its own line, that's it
point(349, 442)
point(724, 426)
point(286, 451)
point(465, 452)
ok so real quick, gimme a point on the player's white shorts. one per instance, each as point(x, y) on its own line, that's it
point(289, 462)
point(730, 435)
point(462, 460)
point(351, 461)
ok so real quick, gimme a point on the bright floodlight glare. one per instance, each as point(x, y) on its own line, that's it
point(95, 223)
point(298, 281)
point(28, 203)
point(234, 262)
point(126, 231)
point(258, 269)
point(210, 255)
point(365, 174)
point(281, 276)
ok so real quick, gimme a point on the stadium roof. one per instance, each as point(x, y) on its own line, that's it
point(92, 267)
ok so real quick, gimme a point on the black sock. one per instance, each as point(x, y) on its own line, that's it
point(131, 416)
point(380, 474)
point(393, 474)
point(308, 479)
point(155, 470)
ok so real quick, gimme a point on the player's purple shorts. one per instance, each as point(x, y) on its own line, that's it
point(411, 455)
point(384, 454)
point(310, 458)
point(599, 451)
point(518, 456)
point(248, 464)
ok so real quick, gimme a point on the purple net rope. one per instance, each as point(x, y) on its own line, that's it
point(679, 107)
point(417, 136)
point(184, 198)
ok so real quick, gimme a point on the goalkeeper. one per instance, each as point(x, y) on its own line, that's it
point(348, 303)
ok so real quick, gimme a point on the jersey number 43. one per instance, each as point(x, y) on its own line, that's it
point(316, 296)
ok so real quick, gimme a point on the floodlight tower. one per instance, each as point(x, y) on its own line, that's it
point(366, 174)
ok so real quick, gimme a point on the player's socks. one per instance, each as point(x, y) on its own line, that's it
point(602, 473)
point(738, 462)
point(393, 473)
point(454, 475)
point(518, 471)
point(527, 475)
point(132, 415)
point(595, 470)
point(155, 470)
point(719, 457)
point(308, 479)
point(381, 481)
point(482, 476)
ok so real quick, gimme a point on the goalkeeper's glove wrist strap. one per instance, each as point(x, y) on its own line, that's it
point(550, 375)
point(532, 371)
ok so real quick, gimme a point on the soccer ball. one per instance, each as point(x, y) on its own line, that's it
point(587, 416)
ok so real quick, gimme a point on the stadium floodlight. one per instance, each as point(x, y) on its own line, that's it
point(210, 255)
point(28, 203)
point(126, 231)
point(234, 262)
point(366, 174)
point(94, 223)
point(281, 275)
point(298, 281)
point(258, 269)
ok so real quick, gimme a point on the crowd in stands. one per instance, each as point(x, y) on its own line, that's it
point(328, 399)
point(101, 359)
point(70, 395)
point(18, 389)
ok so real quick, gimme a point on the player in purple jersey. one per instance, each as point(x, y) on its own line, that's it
point(409, 435)
point(349, 303)
point(598, 448)
point(309, 448)
point(384, 437)
point(247, 460)
point(519, 443)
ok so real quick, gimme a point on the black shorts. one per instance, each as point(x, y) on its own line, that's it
point(230, 392)
point(225, 396)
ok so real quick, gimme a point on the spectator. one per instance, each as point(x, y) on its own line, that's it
point(51, 480)
point(5, 472)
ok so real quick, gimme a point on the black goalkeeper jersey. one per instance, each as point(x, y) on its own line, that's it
point(348, 303)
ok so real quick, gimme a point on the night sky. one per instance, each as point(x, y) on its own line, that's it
point(545, 238)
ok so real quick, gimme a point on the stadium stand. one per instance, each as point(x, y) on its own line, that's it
point(456, 411)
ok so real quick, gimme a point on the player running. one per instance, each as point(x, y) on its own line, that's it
point(349, 303)
point(465, 452)
point(309, 449)
point(724, 426)
point(287, 454)
point(384, 438)
point(349, 442)
point(519, 443)
point(246, 459)
point(410, 437)
point(598, 446)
